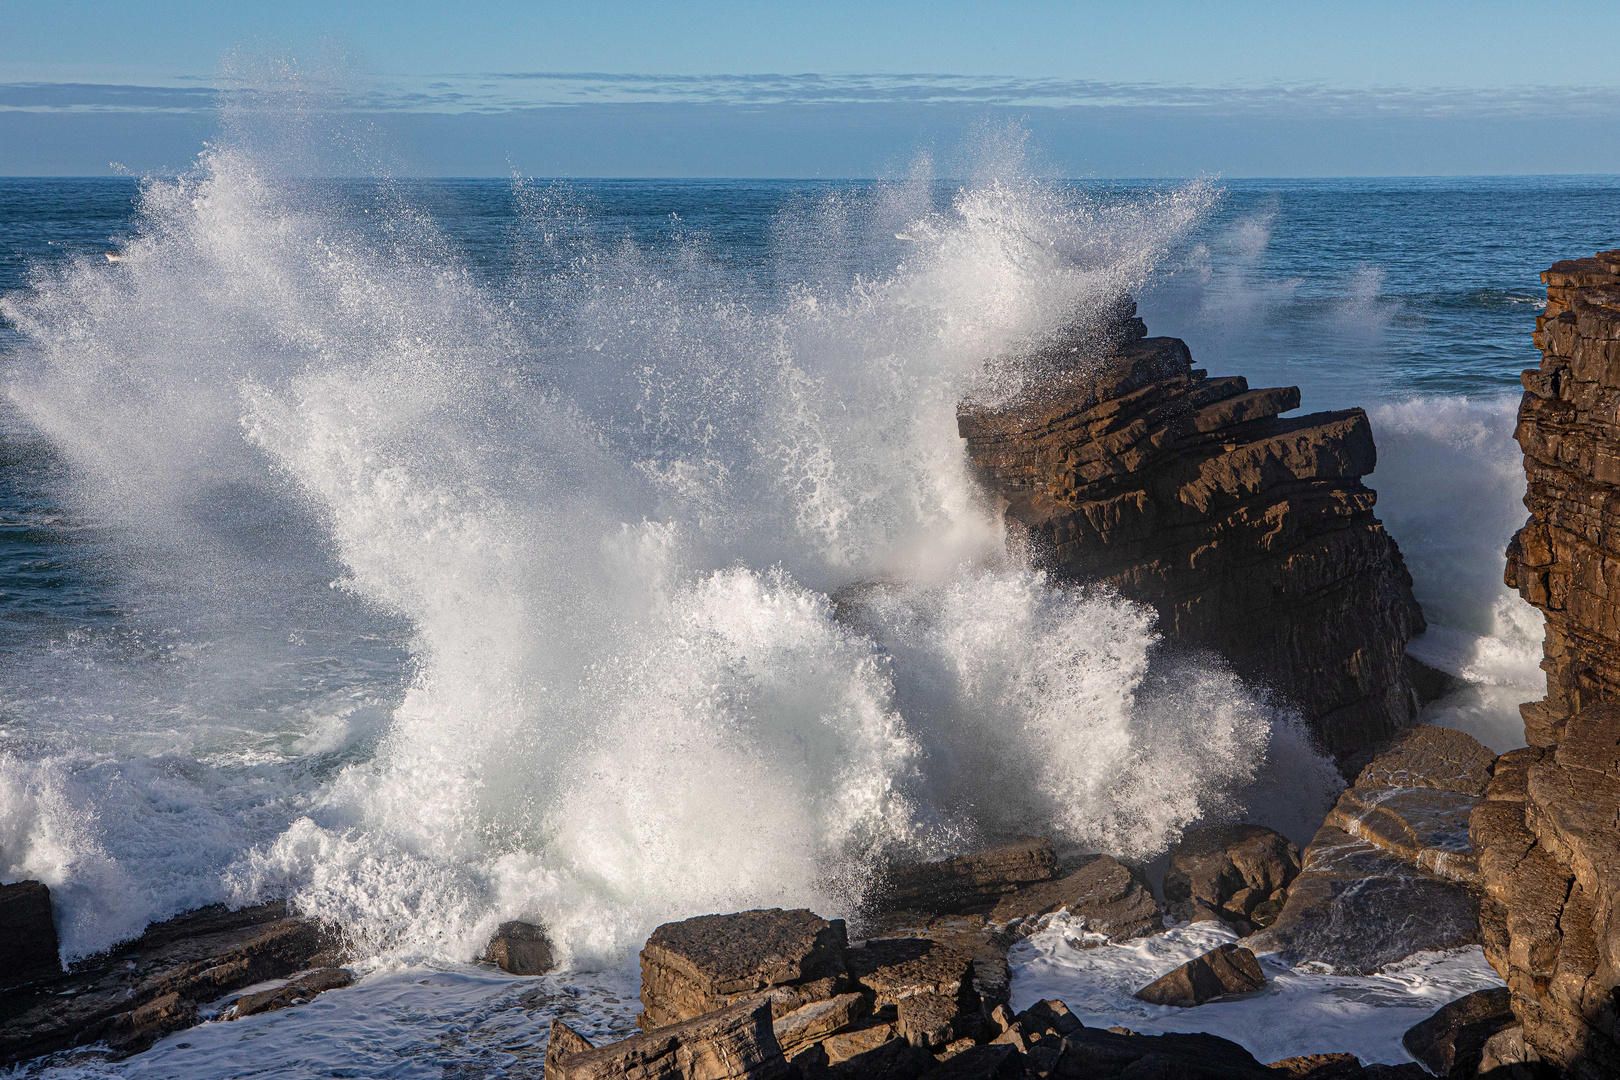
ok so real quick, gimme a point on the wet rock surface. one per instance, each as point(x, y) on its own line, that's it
point(295, 992)
point(520, 948)
point(972, 882)
point(28, 945)
point(693, 967)
point(1107, 895)
point(1251, 534)
point(1229, 969)
point(143, 990)
point(1451, 1042)
point(1237, 874)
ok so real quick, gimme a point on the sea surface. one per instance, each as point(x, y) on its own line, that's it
point(436, 553)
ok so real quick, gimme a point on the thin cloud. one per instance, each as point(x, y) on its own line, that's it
point(497, 92)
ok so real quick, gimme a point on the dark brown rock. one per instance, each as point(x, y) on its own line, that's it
point(1439, 758)
point(1357, 908)
point(1250, 534)
point(897, 968)
point(562, 1042)
point(521, 948)
point(819, 1018)
point(28, 945)
point(1090, 1053)
point(1319, 1067)
point(1224, 872)
point(295, 992)
point(152, 985)
point(1450, 1042)
point(980, 1063)
point(733, 1043)
point(1229, 969)
point(931, 1021)
point(895, 1059)
point(975, 881)
point(1102, 891)
point(693, 967)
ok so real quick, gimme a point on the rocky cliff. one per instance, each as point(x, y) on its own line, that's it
point(1251, 534)
point(1548, 836)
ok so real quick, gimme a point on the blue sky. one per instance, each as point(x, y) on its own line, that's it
point(838, 89)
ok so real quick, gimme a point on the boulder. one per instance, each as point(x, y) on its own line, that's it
point(1252, 535)
point(1101, 891)
point(980, 1063)
point(1225, 872)
point(732, 1043)
point(295, 992)
point(1451, 1042)
point(28, 945)
point(1319, 1067)
point(1092, 1053)
point(693, 967)
point(971, 882)
point(520, 948)
point(863, 1037)
point(148, 987)
point(1356, 908)
point(1229, 969)
point(895, 1059)
point(932, 1021)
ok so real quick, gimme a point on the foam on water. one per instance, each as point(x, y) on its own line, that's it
point(518, 602)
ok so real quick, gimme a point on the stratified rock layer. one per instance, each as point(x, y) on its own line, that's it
point(1250, 534)
point(1548, 833)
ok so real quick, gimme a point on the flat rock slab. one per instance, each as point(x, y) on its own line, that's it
point(151, 986)
point(810, 1022)
point(1432, 757)
point(1103, 892)
point(734, 1043)
point(28, 945)
point(295, 992)
point(1356, 908)
point(975, 881)
point(980, 1063)
point(696, 966)
point(1229, 969)
point(1452, 1041)
point(1425, 826)
point(897, 968)
point(1225, 872)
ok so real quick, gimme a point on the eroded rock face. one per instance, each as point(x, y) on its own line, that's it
point(1102, 891)
point(1547, 833)
point(151, 986)
point(972, 882)
point(696, 966)
point(28, 945)
point(733, 1043)
point(1227, 872)
point(1250, 534)
point(1452, 1041)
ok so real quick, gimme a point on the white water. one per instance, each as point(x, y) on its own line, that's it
point(477, 606)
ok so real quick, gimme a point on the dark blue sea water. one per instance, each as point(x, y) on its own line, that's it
point(442, 552)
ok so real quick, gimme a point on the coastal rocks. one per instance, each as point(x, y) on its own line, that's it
point(894, 969)
point(295, 992)
point(693, 967)
point(1250, 534)
point(1549, 842)
point(151, 986)
point(1238, 874)
point(975, 881)
point(28, 945)
point(1392, 871)
point(733, 1043)
point(1229, 969)
point(1103, 892)
point(520, 948)
point(1451, 1042)
point(1550, 861)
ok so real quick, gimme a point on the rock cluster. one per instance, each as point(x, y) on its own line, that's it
point(1229, 969)
point(1391, 871)
point(145, 989)
point(1548, 834)
point(1236, 874)
point(1252, 535)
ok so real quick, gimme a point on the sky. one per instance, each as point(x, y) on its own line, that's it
point(89, 87)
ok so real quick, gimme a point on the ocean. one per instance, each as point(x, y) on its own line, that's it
point(440, 552)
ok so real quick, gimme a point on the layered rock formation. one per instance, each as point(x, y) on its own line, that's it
point(1548, 834)
point(1250, 534)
